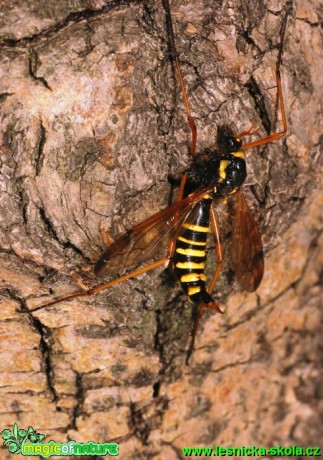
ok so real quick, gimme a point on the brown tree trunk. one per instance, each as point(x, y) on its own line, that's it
point(92, 128)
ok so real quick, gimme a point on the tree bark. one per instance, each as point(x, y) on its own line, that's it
point(93, 130)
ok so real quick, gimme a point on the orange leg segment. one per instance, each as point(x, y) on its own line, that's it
point(275, 136)
point(107, 285)
point(172, 240)
point(190, 119)
point(218, 249)
point(201, 309)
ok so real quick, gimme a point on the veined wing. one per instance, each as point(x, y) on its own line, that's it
point(247, 252)
point(148, 238)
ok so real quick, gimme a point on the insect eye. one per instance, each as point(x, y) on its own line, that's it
point(233, 144)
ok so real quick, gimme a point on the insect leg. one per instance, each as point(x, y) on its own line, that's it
point(172, 240)
point(182, 188)
point(174, 53)
point(275, 136)
point(107, 285)
point(282, 133)
point(200, 310)
point(218, 248)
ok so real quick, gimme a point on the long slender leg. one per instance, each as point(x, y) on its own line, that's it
point(213, 306)
point(181, 188)
point(190, 119)
point(172, 240)
point(107, 285)
point(218, 249)
point(282, 133)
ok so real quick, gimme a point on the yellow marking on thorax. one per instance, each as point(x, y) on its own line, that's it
point(223, 166)
point(193, 290)
point(196, 228)
point(191, 252)
point(196, 243)
point(191, 277)
point(190, 265)
point(239, 155)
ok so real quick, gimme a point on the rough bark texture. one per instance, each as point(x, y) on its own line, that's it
point(92, 128)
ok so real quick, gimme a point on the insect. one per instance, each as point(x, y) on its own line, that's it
point(179, 233)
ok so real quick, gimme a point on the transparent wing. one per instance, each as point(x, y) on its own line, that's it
point(148, 238)
point(247, 252)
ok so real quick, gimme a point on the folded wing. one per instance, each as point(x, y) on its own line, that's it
point(147, 239)
point(247, 251)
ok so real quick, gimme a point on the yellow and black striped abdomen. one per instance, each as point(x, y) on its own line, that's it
point(190, 253)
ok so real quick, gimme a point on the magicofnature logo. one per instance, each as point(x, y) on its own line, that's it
point(16, 439)
point(29, 442)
